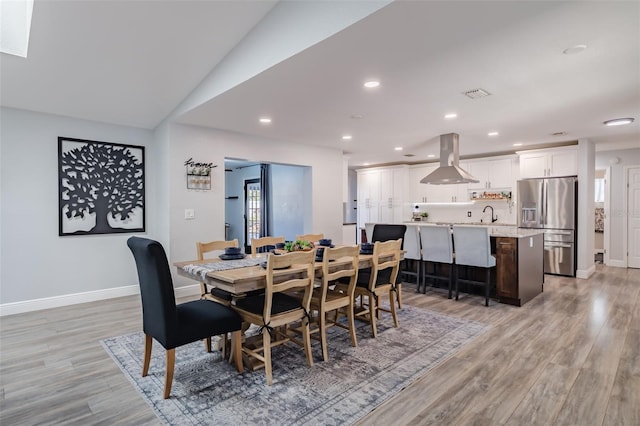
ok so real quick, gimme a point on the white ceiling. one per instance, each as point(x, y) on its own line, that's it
point(133, 63)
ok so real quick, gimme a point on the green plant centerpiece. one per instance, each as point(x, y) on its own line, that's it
point(298, 245)
point(424, 215)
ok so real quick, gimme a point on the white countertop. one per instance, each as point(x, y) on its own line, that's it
point(495, 229)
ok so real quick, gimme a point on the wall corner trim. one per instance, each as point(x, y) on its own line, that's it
point(586, 273)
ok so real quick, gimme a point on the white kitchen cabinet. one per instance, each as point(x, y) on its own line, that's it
point(393, 184)
point(549, 163)
point(368, 196)
point(492, 174)
point(382, 195)
point(427, 193)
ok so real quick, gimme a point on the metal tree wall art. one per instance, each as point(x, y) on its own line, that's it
point(101, 187)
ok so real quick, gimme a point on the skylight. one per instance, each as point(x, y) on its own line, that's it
point(15, 25)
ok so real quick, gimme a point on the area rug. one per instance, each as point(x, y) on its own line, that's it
point(207, 390)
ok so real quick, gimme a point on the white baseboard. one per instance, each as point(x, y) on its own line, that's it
point(90, 296)
point(617, 263)
point(585, 273)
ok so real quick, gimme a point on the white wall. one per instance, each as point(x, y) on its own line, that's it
point(35, 262)
point(208, 145)
point(290, 196)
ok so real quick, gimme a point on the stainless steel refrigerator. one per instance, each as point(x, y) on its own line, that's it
point(550, 204)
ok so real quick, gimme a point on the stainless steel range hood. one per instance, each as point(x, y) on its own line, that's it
point(449, 171)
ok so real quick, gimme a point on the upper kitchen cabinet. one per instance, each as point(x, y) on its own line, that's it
point(426, 193)
point(492, 174)
point(382, 194)
point(549, 163)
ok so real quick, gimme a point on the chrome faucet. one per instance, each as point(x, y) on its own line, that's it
point(493, 217)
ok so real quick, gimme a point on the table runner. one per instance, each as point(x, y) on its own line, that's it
point(203, 269)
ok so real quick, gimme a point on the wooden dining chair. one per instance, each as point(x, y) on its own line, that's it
point(380, 280)
point(215, 294)
point(386, 232)
point(202, 249)
point(264, 244)
point(275, 308)
point(314, 238)
point(340, 263)
point(174, 325)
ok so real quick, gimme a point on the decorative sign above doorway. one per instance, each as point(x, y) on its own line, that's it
point(198, 174)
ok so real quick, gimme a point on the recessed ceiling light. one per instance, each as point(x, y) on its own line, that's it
point(517, 144)
point(574, 49)
point(452, 115)
point(398, 148)
point(370, 84)
point(618, 121)
point(365, 164)
point(347, 137)
point(265, 120)
point(492, 134)
point(431, 155)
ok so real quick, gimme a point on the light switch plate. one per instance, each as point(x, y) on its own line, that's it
point(189, 214)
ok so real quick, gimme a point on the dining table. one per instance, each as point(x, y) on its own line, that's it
point(241, 277)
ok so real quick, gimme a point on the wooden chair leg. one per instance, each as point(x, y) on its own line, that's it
point(323, 334)
point(393, 307)
point(266, 348)
point(203, 290)
point(352, 325)
point(399, 294)
point(373, 311)
point(207, 344)
point(168, 376)
point(306, 334)
point(236, 350)
point(148, 344)
point(224, 341)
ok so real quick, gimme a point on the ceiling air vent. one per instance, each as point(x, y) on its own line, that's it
point(409, 155)
point(558, 134)
point(476, 93)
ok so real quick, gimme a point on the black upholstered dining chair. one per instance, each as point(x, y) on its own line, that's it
point(174, 325)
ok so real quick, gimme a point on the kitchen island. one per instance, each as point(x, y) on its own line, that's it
point(519, 275)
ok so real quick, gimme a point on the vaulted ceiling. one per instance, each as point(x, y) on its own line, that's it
point(224, 64)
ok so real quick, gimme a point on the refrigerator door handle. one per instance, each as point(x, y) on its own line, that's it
point(544, 201)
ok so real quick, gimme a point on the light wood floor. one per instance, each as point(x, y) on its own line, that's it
point(569, 357)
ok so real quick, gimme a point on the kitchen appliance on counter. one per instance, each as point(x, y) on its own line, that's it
point(550, 204)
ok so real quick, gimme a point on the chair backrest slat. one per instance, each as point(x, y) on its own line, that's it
point(386, 254)
point(279, 279)
point(258, 243)
point(346, 258)
point(204, 248)
point(314, 238)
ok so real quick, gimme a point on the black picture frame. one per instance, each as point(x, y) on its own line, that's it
point(101, 187)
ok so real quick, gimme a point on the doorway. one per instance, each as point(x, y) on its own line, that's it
point(253, 212)
point(633, 217)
